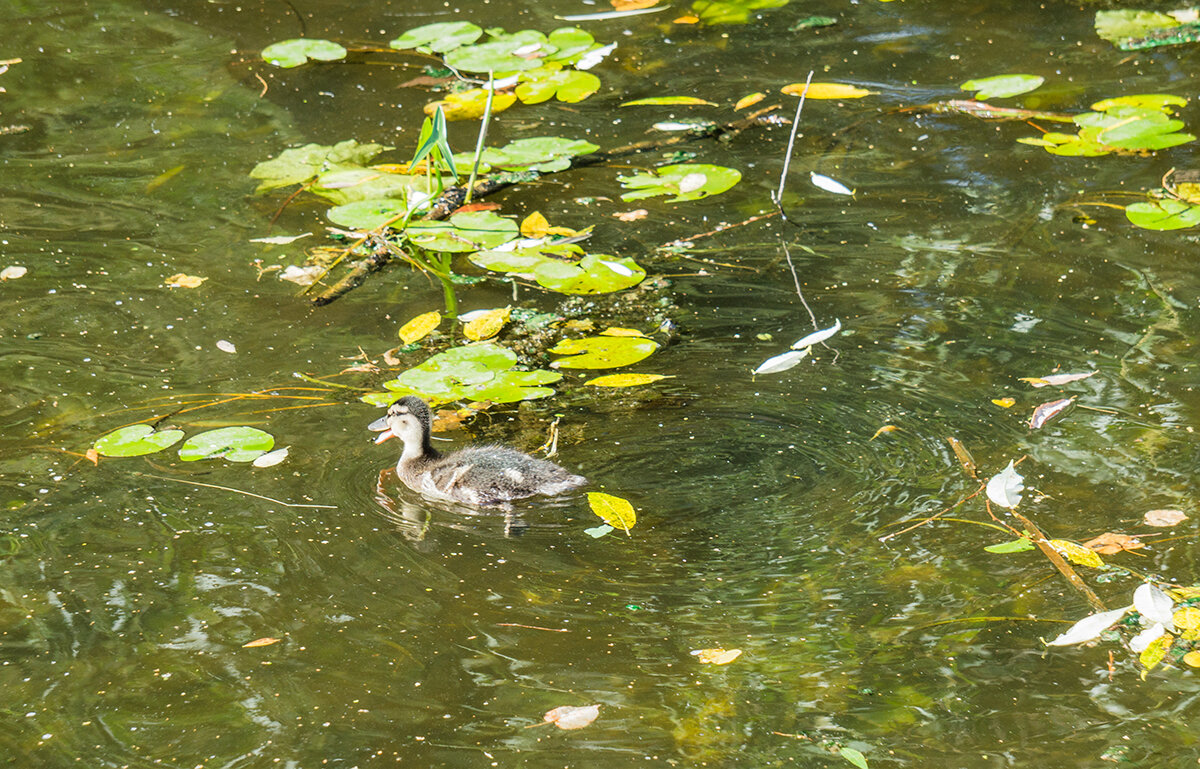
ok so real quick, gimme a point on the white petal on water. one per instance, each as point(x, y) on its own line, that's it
point(280, 240)
point(594, 57)
point(605, 15)
point(692, 182)
point(1089, 628)
point(781, 362)
point(830, 185)
point(224, 345)
point(1155, 605)
point(271, 458)
point(617, 267)
point(817, 337)
point(1139, 642)
point(1005, 487)
point(13, 272)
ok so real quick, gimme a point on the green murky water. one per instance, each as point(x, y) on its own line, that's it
point(126, 596)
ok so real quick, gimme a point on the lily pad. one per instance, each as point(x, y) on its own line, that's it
point(461, 233)
point(1119, 27)
point(570, 44)
point(567, 85)
point(297, 51)
point(135, 441)
point(235, 444)
point(299, 164)
point(367, 214)
point(731, 11)
point(594, 274)
point(1165, 214)
point(470, 372)
point(602, 351)
point(498, 54)
point(1003, 86)
point(539, 153)
point(688, 181)
point(439, 37)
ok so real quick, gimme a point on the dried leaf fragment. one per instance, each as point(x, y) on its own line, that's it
point(1005, 403)
point(257, 642)
point(1055, 379)
point(964, 457)
point(884, 429)
point(632, 216)
point(572, 717)
point(180, 280)
point(1110, 542)
point(93, 456)
point(1047, 411)
point(716, 656)
point(1164, 517)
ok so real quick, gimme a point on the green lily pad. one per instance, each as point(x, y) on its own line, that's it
point(346, 184)
point(568, 85)
point(1156, 101)
point(497, 55)
point(1003, 86)
point(731, 11)
point(1118, 27)
point(539, 153)
point(235, 444)
point(439, 37)
point(594, 274)
point(471, 372)
point(136, 440)
point(571, 43)
point(299, 164)
point(522, 262)
point(297, 51)
point(602, 351)
point(470, 231)
point(1164, 214)
point(367, 214)
point(685, 182)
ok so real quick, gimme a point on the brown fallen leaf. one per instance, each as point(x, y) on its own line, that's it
point(1110, 542)
point(1164, 517)
point(266, 641)
point(1047, 411)
point(93, 456)
point(179, 280)
point(716, 656)
point(572, 717)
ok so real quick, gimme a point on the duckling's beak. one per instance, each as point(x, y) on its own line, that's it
point(381, 426)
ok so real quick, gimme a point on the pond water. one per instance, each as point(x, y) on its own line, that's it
point(129, 589)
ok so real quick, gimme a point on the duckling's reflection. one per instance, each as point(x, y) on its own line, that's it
point(413, 518)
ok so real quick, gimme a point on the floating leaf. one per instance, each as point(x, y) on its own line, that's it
point(782, 362)
point(470, 231)
point(855, 757)
point(566, 85)
point(420, 327)
point(669, 100)
point(1056, 379)
point(235, 444)
point(280, 240)
point(615, 511)
point(439, 37)
point(136, 440)
point(539, 153)
point(731, 11)
point(271, 458)
point(1002, 86)
point(1161, 102)
point(1156, 651)
point(570, 717)
point(470, 372)
point(1005, 487)
point(299, 164)
point(1118, 27)
point(1192, 659)
point(632, 216)
point(1154, 605)
point(500, 54)
point(1047, 411)
point(1078, 554)
point(817, 337)
point(368, 214)
point(624, 380)
point(826, 91)
point(602, 351)
point(594, 274)
point(224, 345)
point(883, 430)
point(1187, 621)
point(1089, 628)
point(180, 280)
point(1014, 546)
point(1163, 214)
point(750, 100)
point(1005, 403)
point(297, 51)
point(964, 456)
point(487, 324)
point(716, 656)
point(667, 180)
point(1110, 542)
point(596, 532)
point(470, 104)
point(302, 276)
point(829, 185)
point(260, 642)
point(1164, 517)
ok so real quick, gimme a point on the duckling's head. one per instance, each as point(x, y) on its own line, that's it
point(410, 420)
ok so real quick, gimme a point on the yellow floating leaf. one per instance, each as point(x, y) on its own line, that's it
point(717, 656)
point(676, 101)
point(687, 19)
point(267, 641)
point(1192, 659)
point(470, 105)
point(749, 101)
point(624, 380)
point(618, 331)
point(420, 327)
point(179, 280)
point(633, 5)
point(487, 325)
point(615, 511)
point(1078, 554)
point(535, 226)
point(827, 91)
point(1005, 403)
point(884, 429)
point(1187, 618)
point(1154, 653)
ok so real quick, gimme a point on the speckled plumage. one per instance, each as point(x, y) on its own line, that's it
point(484, 476)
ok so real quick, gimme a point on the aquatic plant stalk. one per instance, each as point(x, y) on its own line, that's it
point(483, 127)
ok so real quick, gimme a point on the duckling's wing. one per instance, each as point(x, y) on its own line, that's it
point(490, 475)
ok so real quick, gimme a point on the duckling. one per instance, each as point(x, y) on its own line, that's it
point(484, 476)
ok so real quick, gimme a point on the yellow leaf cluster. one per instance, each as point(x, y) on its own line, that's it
point(487, 325)
point(1078, 554)
point(420, 327)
